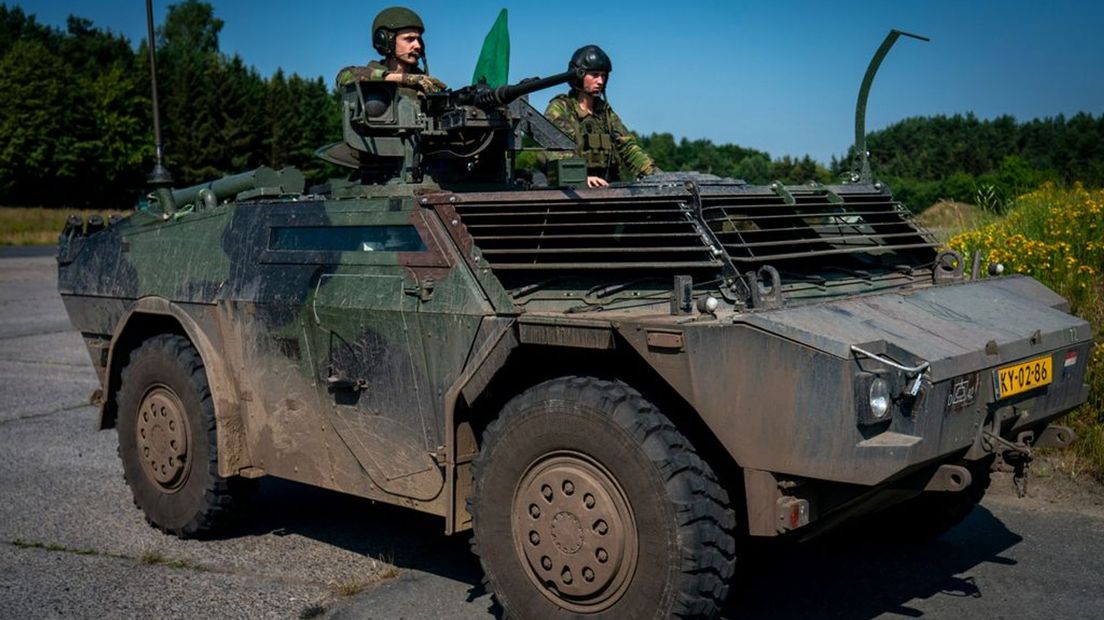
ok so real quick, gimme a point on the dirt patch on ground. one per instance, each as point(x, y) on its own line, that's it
point(1050, 490)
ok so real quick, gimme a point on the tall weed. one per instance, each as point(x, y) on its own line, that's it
point(1057, 236)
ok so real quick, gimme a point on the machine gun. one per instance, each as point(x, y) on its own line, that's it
point(483, 96)
point(393, 134)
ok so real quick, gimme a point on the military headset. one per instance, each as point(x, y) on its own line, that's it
point(383, 39)
point(386, 27)
point(589, 58)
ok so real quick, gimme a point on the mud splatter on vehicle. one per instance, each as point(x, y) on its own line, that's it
point(609, 385)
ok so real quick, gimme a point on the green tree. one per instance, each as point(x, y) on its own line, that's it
point(283, 126)
point(661, 147)
point(960, 186)
point(38, 150)
point(115, 151)
point(754, 168)
point(188, 62)
point(242, 117)
point(15, 25)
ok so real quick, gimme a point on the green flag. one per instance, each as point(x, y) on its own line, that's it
point(494, 59)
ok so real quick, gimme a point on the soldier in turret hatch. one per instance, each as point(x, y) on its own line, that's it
point(610, 150)
point(397, 36)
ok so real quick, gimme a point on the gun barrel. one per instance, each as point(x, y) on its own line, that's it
point(230, 186)
point(503, 95)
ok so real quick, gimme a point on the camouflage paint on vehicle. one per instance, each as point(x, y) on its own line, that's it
point(342, 360)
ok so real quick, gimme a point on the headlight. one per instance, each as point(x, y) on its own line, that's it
point(708, 304)
point(872, 399)
point(879, 398)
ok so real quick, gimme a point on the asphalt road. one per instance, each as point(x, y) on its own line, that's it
point(73, 545)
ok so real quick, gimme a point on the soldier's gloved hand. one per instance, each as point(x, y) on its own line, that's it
point(424, 83)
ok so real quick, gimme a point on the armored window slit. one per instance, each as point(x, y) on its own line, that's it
point(388, 238)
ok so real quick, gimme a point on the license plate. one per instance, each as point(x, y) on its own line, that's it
point(1019, 378)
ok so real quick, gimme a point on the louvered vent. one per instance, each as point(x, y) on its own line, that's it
point(623, 233)
point(808, 234)
point(819, 231)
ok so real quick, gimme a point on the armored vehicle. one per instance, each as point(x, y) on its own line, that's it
point(609, 386)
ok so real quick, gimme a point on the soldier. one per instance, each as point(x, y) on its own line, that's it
point(397, 36)
point(610, 150)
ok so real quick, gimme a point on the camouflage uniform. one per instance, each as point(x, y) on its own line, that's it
point(609, 148)
point(376, 71)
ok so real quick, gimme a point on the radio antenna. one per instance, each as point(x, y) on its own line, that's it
point(861, 172)
point(160, 177)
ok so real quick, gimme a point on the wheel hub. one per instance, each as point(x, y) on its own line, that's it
point(162, 437)
point(567, 533)
point(575, 532)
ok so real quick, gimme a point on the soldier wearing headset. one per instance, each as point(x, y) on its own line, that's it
point(609, 148)
point(397, 36)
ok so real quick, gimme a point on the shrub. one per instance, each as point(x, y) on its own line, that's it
point(1057, 236)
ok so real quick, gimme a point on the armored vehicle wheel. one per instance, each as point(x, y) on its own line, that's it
point(931, 514)
point(166, 424)
point(589, 501)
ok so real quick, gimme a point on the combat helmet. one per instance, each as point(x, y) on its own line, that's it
point(588, 58)
point(388, 22)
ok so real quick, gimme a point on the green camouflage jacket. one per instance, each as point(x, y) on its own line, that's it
point(609, 148)
point(374, 71)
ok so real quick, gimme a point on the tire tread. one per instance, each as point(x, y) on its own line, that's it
point(703, 510)
point(221, 496)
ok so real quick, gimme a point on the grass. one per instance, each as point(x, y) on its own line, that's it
point(37, 226)
point(947, 218)
point(354, 586)
point(351, 587)
point(1057, 236)
point(382, 570)
point(151, 557)
point(33, 544)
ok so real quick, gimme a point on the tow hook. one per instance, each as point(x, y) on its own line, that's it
point(1014, 457)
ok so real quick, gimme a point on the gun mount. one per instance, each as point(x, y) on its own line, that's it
point(393, 134)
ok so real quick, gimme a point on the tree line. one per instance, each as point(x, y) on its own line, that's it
point(925, 159)
point(75, 112)
point(75, 125)
point(731, 160)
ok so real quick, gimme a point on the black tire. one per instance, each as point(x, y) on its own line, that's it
point(167, 440)
point(667, 521)
point(934, 513)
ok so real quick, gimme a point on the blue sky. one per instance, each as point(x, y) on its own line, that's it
point(776, 76)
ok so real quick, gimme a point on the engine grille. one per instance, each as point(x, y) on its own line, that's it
point(618, 233)
point(803, 232)
point(815, 229)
